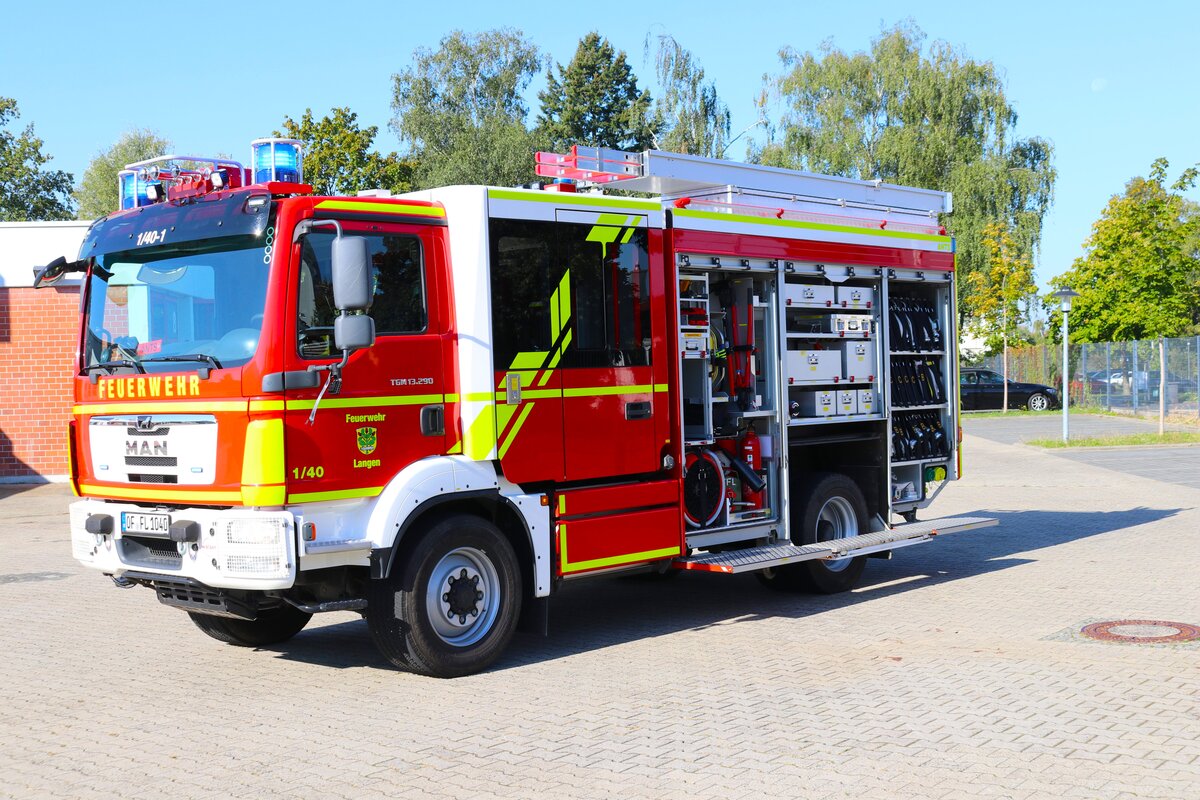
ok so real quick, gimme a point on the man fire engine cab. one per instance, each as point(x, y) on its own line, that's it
point(434, 409)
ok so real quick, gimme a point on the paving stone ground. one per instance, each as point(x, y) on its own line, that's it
point(950, 673)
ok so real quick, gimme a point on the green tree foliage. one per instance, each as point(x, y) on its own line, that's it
point(27, 191)
point(994, 295)
point(938, 121)
point(694, 118)
point(460, 111)
point(1139, 276)
point(338, 158)
point(595, 101)
point(98, 193)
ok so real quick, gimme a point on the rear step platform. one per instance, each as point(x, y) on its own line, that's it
point(776, 555)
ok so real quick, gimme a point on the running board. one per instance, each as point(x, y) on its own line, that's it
point(776, 555)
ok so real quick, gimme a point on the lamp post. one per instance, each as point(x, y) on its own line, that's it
point(1065, 296)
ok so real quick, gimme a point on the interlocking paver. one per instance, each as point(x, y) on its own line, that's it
point(944, 676)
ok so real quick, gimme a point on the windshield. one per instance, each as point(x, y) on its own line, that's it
point(168, 309)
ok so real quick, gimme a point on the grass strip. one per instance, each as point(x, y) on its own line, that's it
point(1127, 440)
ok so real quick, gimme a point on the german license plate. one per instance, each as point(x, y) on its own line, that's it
point(153, 524)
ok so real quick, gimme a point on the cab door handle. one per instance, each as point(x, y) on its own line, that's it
point(433, 420)
point(638, 410)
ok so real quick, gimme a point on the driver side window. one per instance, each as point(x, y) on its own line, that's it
point(398, 303)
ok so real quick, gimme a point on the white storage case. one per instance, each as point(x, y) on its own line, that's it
point(859, 297)
point(815, 404)
point(805, 295)
point(814, 366)
point(866, 401)
point(847, 402)
point(858, 360)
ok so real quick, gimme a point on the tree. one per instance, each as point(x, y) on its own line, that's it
point(595, 101)
point(98, 193)
point(695, 119)
point(338, 158)
point(27, 191)
point(994, 294)
point(939, 121)
point(1139, 276)
point(460, 110)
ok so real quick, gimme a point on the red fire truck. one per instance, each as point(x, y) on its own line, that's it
point(434, 409)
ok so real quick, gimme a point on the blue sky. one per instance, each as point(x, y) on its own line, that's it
point(1112, 85)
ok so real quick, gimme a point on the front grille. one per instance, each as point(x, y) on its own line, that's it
point(155, 432)
point(150, 552)
point(145, 477)
point(151, 461)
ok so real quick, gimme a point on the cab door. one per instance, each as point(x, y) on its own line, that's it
point(389, 411)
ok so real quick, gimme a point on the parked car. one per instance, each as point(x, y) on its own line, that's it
point(983, 389)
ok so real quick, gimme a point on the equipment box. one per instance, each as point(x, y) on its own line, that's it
point(852, 325)
point(814, 366)
point(859, 297)
point(866, 401)
point(858, 360)
point(813, 404)
point(847, 402)
point(805, 295)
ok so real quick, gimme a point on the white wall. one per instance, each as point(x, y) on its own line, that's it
point(25, 245)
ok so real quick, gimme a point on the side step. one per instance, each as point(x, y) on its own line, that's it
point(776, 555)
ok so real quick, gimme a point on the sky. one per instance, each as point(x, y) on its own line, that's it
point(1112, 85)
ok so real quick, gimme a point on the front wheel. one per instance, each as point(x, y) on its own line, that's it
point(271, 626)
point(1038, 402)
point(451, 607)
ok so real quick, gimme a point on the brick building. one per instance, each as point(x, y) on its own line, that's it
point(39, 336)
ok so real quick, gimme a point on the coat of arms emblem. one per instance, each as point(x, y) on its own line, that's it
point(366, 441)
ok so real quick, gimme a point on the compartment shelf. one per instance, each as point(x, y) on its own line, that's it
point(798, 422)
point(917, 353)
point(932, 407)
point(865, 337)
point(836, 384)
point(919, 461)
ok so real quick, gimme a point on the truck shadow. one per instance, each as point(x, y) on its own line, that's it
point(592, 615)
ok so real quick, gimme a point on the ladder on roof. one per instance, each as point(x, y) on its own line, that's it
point(674, 175)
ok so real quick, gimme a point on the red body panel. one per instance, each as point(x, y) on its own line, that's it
point(618, 540)
point(794, 250)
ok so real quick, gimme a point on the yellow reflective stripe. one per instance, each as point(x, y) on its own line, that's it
point(812, 226)
point(171, 495)
point(542, 381)
point(611, 561)
point(266, 405)
point(344, 494)
point(482, 397)
point(527, 361)
point(540, 394)
point(562, 504)
point(262, 463)
point(263, 495)
point(516, 428)
point(480, 436)
point(660, 387)
point(161, 407)
point(450, 398)
point(574, 199)
point(456, 449)
point(628, 235)
point(600, 391)
point(364, 402)
point(381, 208)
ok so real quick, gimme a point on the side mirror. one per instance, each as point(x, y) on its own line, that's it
point(53, 272)
point(352, 289)
point(353, 332)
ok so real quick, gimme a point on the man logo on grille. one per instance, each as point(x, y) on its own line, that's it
point(366, 441)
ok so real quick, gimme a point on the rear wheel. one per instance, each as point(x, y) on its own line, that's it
point(451, 607)
point(271, 626)
point(827, 506)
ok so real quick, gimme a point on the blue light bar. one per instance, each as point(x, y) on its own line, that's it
point(132, 190)
point(276, 160)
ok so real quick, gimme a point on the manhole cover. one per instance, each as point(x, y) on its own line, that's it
point(1141, 631)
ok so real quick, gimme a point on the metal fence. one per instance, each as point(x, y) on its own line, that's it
point(1116, 376)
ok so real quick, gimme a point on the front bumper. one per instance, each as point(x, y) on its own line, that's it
point(236, 548)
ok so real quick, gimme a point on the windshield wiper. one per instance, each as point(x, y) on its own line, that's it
point(113, 365)
point(205, 357)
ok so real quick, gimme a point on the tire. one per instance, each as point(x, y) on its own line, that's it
point(272, 626)
point(1038, 402)
point(422, 624)
point(825, 506)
